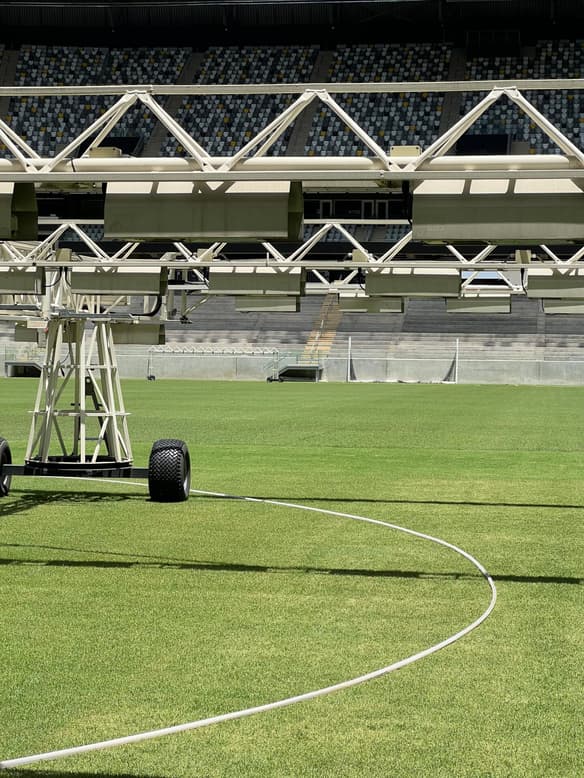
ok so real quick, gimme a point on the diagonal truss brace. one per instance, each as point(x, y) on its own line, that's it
point(87, 370)
point(104, 124)
point(446, 141)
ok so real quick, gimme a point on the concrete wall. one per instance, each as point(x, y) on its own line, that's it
point(202, 367)
point(140, 362)
point(249, 367)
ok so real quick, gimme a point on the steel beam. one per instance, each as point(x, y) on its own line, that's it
point(351, 87)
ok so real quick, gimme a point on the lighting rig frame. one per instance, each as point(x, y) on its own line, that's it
point(446, 190)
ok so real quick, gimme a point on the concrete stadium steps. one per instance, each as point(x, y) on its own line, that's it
point(568, 347)
point(324, 330)
point(440, 346)
point(218, 323)
point(426, 330)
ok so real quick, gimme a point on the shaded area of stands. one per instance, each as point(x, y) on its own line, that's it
point(390, 119)
point(549, 59)
point(224, 123)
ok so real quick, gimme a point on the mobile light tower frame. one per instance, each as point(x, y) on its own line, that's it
point(79, 424)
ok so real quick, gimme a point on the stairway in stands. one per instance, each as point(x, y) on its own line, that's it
point(172, 104)
point(302, 125)
point(324, 331)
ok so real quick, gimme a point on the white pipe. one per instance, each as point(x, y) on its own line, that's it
point(298, 165)
point(349, 360)
point(341, 87)
point(175, 729)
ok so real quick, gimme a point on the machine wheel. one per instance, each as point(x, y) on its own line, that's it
point(169, 471)
point(5, 459)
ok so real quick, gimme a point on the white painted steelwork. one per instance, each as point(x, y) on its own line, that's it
point(250, 163)
point(79, 386)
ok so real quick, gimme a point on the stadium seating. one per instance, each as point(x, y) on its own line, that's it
point(551, 59)
point(218, 325)
point(394, 232)
point(224, 123)
point(424, 332)
point(391, 119)
point(160, 65)
point(49, 123)
point(93, 231)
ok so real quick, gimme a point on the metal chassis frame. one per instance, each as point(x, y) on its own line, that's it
point(250, 163)
point(61, 311)
point(107, 454)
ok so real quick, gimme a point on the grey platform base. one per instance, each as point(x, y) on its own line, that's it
point(311, 373)
point(22, 369)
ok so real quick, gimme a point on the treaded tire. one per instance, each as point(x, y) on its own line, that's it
point(169, 471)
point(5, 459)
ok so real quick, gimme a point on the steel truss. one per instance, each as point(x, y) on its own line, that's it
point(250, 161)
point(81, 386)
point(80, 366)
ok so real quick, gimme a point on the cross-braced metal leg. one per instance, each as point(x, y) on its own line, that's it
point(80, 425)
point(79, 420)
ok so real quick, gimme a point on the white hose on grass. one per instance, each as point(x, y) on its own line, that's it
point(175, 729)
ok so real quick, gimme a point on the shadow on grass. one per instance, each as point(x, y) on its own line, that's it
point(31, 498)
point(162, 563)
point(389, 501)
point(59, 774)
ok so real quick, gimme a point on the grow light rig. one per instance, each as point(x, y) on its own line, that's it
point(73, 302)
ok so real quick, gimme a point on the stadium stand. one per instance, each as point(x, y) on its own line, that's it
point(392, 119)
point(49, 123)
point(548, 59)
point(224, 123)
point(424, 330)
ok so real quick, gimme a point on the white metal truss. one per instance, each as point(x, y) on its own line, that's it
point(58, 298)
point(250, 162)
point(79, 414)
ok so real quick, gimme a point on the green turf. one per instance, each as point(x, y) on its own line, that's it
point(120, 615)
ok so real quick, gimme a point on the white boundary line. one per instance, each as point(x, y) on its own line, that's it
point(172, 730)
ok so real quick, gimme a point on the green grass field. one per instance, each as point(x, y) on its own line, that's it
point(120, 615)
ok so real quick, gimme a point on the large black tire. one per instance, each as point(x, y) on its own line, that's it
point(169, 471)
point(5, 459)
